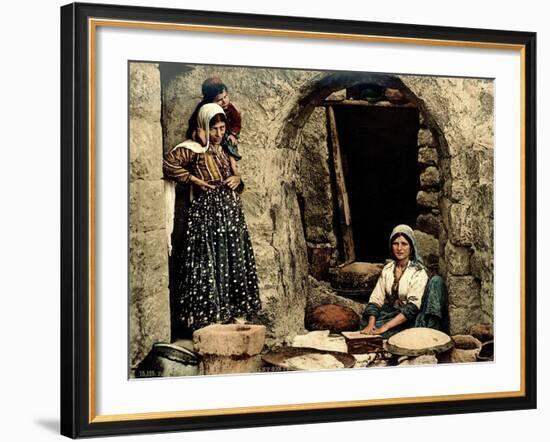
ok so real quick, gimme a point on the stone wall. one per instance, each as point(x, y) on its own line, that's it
point(458, 113)
point(288, 199)
point(429, 218)
point(148, 266)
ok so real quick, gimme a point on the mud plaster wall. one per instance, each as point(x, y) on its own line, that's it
point(278, 177)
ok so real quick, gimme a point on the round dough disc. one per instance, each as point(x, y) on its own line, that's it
point(418, 341)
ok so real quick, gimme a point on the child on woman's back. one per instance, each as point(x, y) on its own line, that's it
point(215, 91)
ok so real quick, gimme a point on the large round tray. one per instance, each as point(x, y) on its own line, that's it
point(277, 357)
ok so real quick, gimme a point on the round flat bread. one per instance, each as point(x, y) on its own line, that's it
point(418, 341)
point(313, 361)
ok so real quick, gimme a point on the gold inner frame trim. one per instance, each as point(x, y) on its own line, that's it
point(93, 24)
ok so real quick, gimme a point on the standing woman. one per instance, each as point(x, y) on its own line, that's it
point(218, 280)
point(403, 297)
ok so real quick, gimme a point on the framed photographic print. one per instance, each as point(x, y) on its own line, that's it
point(276, 220)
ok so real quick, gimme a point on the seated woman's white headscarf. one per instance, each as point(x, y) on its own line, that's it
point(206, 113)
point(409, 233)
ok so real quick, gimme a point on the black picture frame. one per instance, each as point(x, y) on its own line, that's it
point(77, 416)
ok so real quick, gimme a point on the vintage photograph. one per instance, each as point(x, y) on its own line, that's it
point(292, 219)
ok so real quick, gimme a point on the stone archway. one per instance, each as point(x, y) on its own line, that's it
point(431, 145)
point(463, 254)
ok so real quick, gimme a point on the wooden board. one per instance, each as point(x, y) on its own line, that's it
point(359, 343)
point(341, 190)
point(418, 341)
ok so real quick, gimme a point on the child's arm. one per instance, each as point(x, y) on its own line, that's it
point(234, 182)
point(234, 166)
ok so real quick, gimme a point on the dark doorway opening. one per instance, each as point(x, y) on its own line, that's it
point(380, 155)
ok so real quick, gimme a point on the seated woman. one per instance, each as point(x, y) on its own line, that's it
point(403, 297)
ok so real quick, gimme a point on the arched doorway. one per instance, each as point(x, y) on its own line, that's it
point(384, 153)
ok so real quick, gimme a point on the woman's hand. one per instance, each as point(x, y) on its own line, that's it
point(203, 185)
point(233, 182)
point(371, 327)
point(368, 330)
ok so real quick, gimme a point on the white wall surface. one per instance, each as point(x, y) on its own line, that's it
point(29, 220)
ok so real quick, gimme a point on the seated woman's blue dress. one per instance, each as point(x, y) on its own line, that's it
point(433, 312)
point(421, 300)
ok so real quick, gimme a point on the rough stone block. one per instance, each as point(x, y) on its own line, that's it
point(481, 265)
point(464, 291)
point(460, 225)
point(149, 321)
point(462, 318)
point(211, 365)
point(464, 177)
point(229, 339)
point(429, 223)
point(425, 138)
point(145, 150)
point(428, 246)
point(148, 262)
point(485, 154)
point(466, 349)
point(428, 199)
point(427, 156)
point(319, 257)
point(487, 300)
point(457, 259)
point(429, 179)
point(483, 200)
point(445, 206)
point(145, 91)
point(482, 232)
point(146, 206)
point(482, 332)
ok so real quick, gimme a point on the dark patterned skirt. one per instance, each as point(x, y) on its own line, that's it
point(218, 280)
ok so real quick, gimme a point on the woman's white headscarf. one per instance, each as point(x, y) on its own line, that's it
point(409, 233)
point(206, 113)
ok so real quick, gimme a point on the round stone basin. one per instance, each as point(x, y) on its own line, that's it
point(229, 339)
